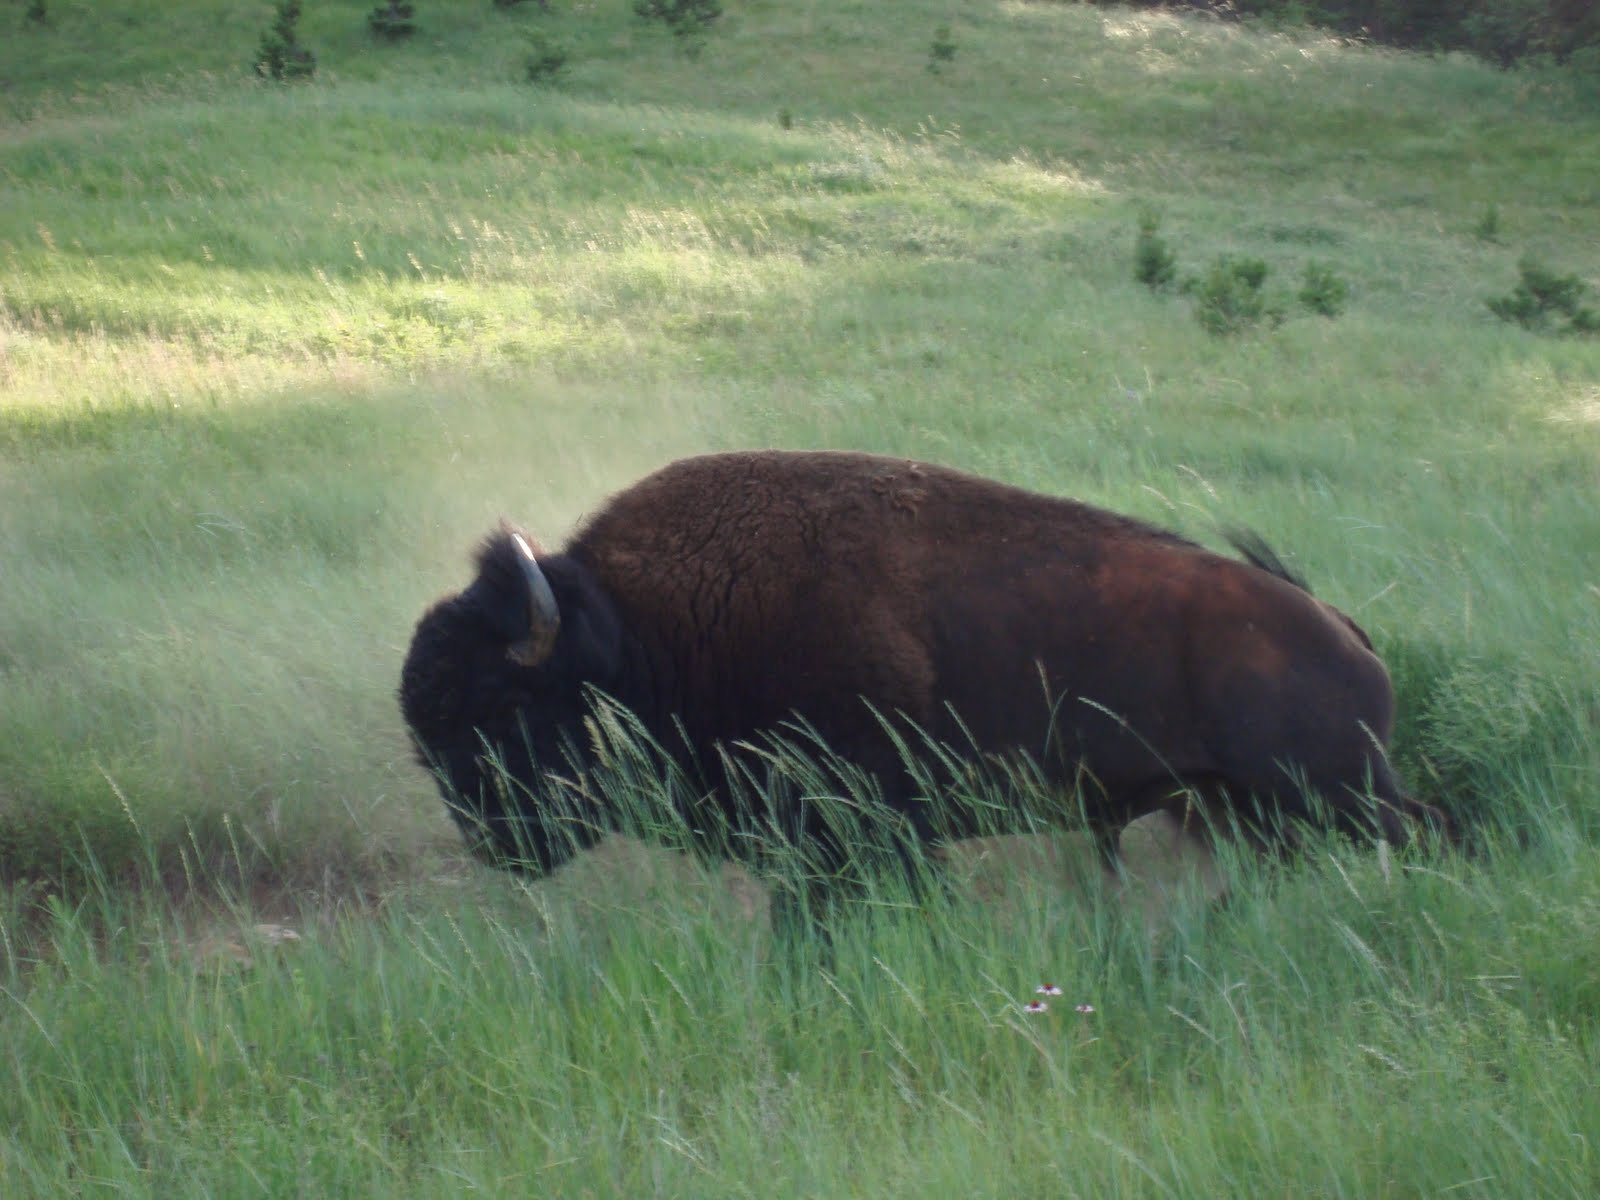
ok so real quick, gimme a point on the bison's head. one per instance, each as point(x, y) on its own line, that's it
point(493, 691)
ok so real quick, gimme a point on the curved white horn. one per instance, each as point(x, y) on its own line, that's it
point(544, 615)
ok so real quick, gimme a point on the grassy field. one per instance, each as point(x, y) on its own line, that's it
point(273, 358)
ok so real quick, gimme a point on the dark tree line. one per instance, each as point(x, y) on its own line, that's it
point(1502, 31)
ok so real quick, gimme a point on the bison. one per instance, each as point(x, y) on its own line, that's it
point(888, 608)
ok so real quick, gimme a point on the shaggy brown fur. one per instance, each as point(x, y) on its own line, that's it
point(725, 595)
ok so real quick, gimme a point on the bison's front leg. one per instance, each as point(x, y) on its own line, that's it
point(898, 868)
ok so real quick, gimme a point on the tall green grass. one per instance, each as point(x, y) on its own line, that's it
point(1350, 1028)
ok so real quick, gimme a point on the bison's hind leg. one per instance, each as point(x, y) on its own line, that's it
point(1432, 821)
point(1377, 807)
point(1397, 819)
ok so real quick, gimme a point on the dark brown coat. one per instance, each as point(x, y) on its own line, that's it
point(728, 594)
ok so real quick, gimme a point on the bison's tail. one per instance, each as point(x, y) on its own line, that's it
point(1255, 551)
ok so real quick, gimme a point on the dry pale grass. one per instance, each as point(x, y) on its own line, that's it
point(1581, 408)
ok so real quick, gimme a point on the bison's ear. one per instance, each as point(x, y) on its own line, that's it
point(544, 617)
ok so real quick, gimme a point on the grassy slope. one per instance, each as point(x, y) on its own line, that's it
point(270, 359)
point(322, 304)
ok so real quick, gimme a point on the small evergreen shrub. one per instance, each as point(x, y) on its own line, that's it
point(545, 58)
point(1323, 291)
point(1546, 302)
point(280, 55)
point(1154, 264)
point(1229, 298)
point(394, 20)
point(37, 13)
point(943, 49)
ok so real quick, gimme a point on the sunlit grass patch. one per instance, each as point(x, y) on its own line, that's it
point(1582, 409)
point(245, 672)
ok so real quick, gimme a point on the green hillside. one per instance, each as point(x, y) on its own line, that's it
point(274, 356)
